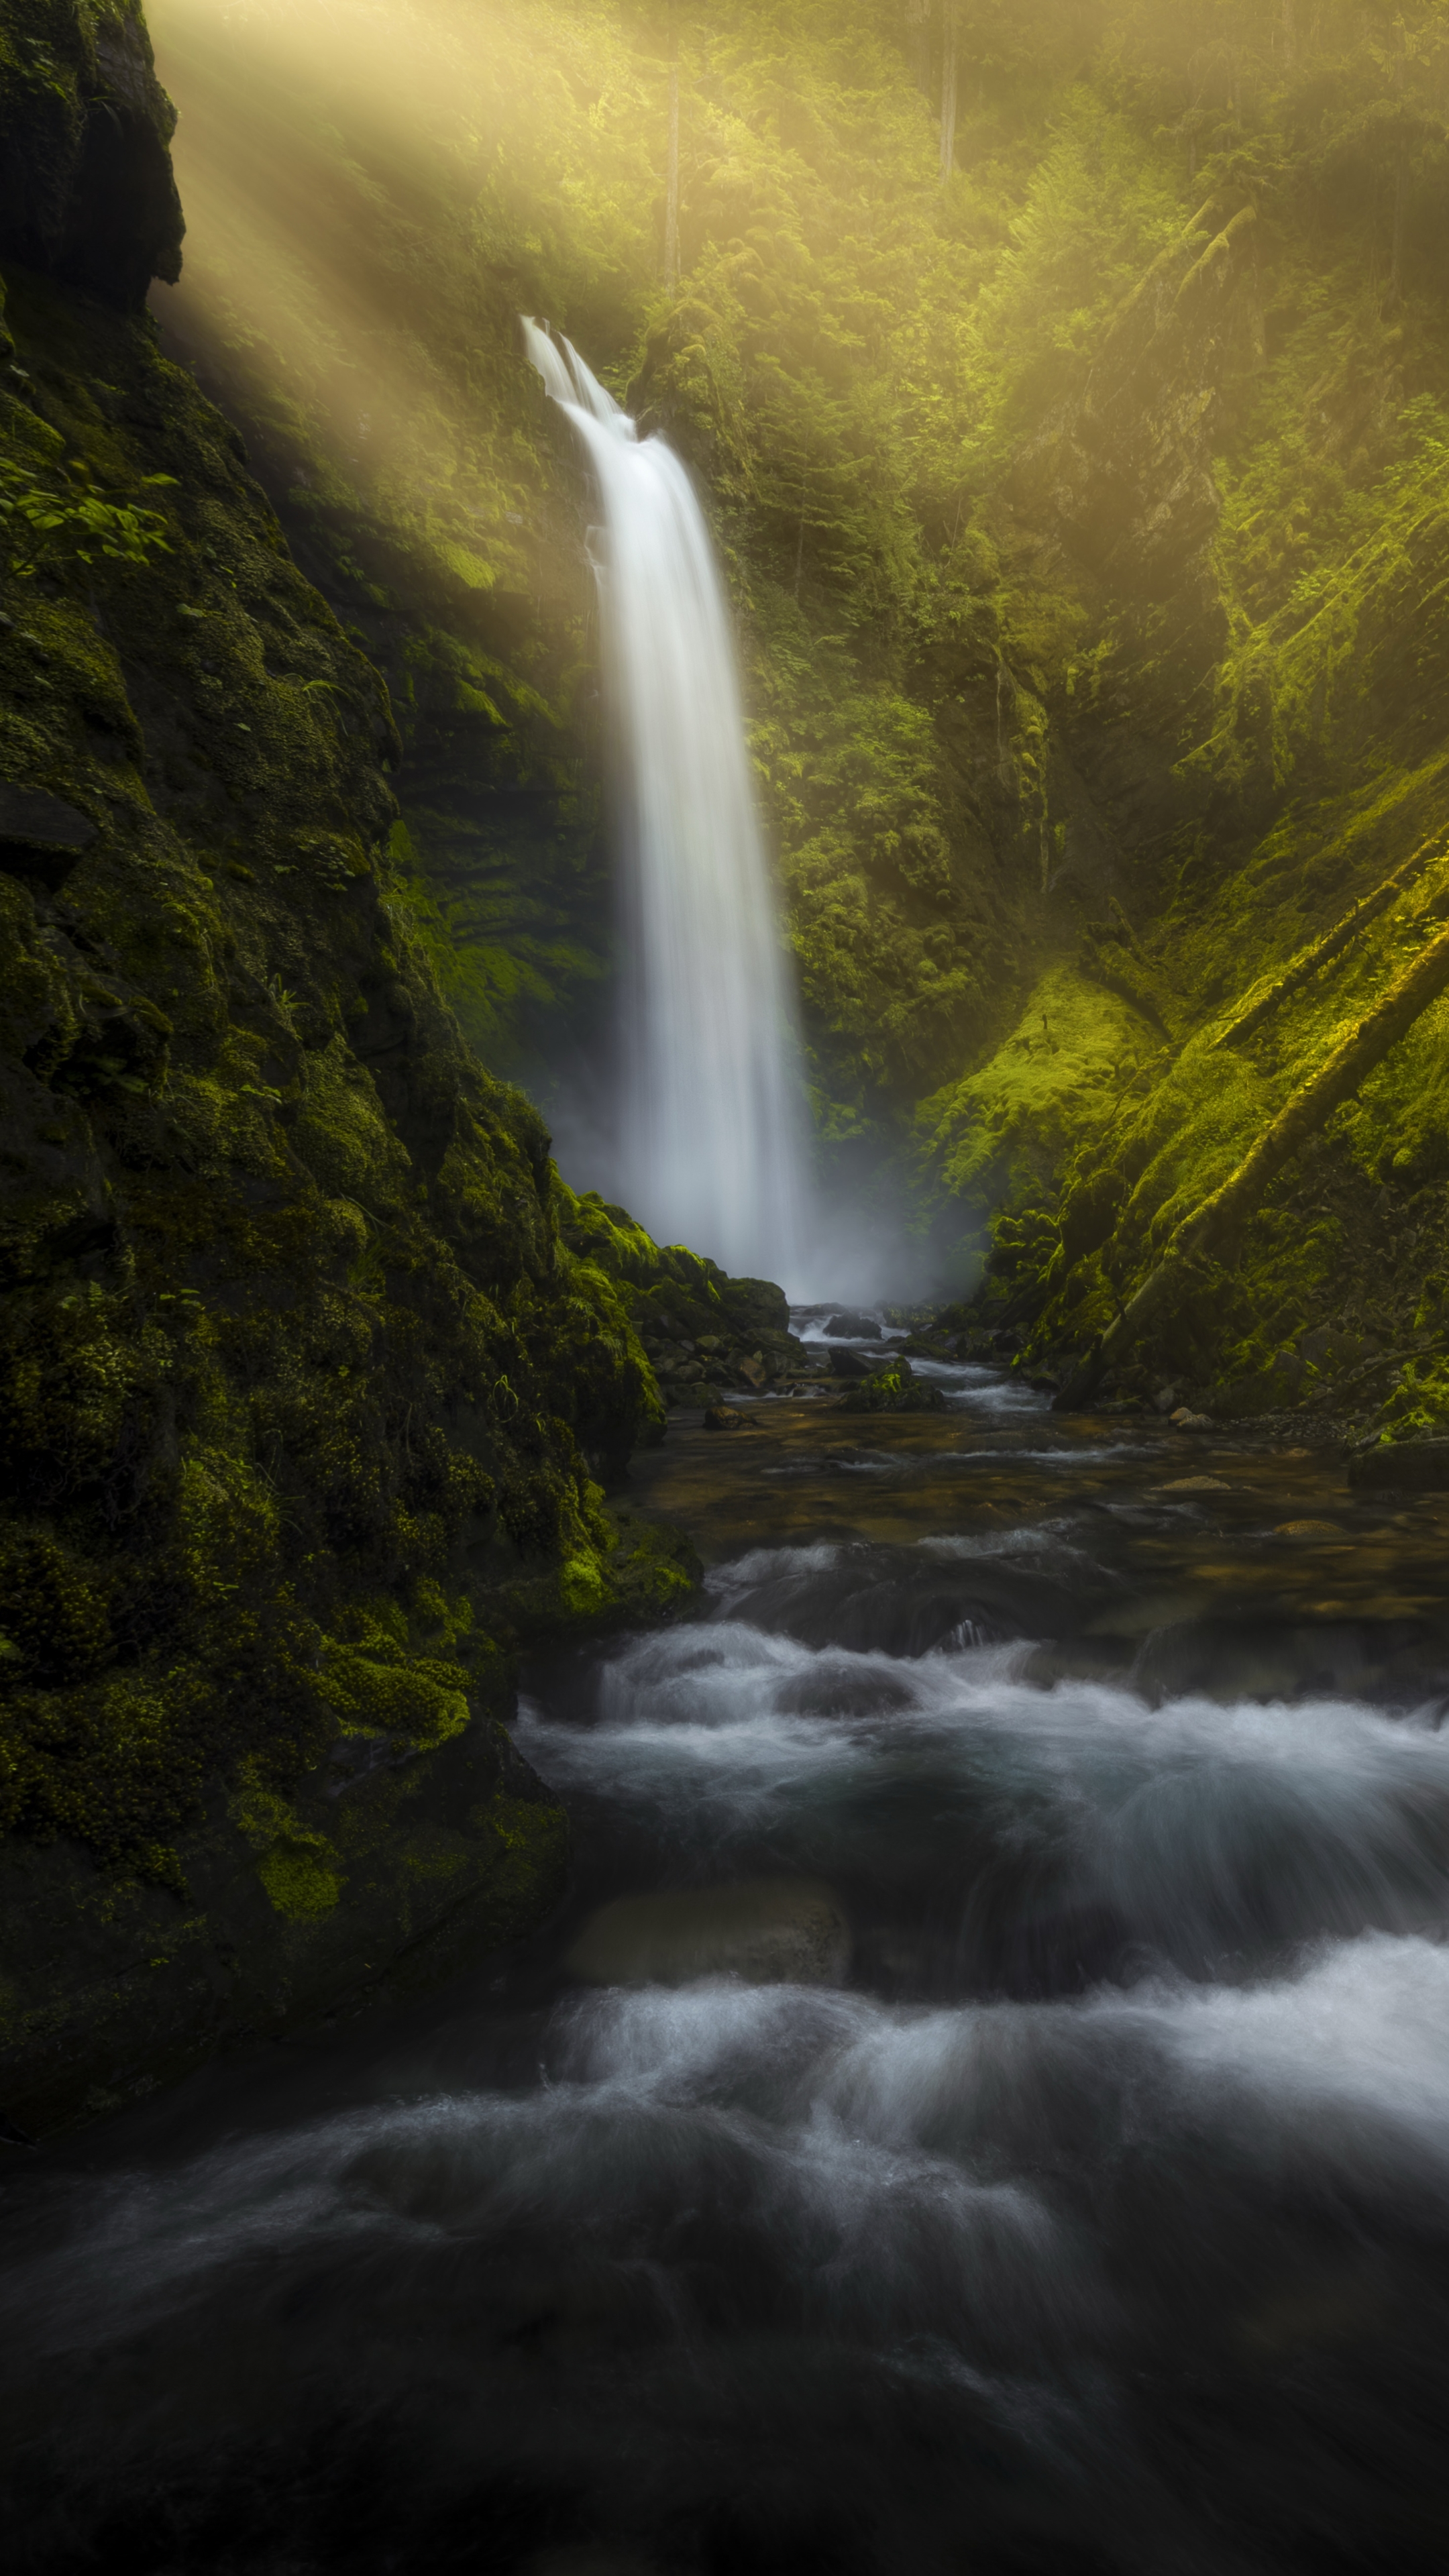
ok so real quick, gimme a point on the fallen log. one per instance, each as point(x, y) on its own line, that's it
point(1212, 1230)
point(1321, 952)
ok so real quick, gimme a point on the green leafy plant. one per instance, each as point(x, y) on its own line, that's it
point(50, 527)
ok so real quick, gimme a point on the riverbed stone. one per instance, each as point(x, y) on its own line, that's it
point(769, 1931)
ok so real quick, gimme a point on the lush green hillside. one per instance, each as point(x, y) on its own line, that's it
point(1084, 518)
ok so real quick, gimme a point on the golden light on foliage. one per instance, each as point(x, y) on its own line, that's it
point(360, 182)
point(1132, 431)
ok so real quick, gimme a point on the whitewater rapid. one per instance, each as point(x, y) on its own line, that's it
point(1090, 2222)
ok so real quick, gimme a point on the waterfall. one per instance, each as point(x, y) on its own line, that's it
point(712, 1132)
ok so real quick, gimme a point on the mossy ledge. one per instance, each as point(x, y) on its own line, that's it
point(308, 1406)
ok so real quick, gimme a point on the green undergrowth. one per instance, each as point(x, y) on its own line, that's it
point(1331, 1299)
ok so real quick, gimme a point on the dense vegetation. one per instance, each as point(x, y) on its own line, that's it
point(1084, 515)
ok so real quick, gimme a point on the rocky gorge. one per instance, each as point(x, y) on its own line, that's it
point(1081, 508)
point(655, 1923)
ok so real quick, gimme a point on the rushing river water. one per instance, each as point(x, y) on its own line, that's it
point(1083, 2204)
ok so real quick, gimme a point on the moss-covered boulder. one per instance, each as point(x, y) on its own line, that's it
point(894, 1389)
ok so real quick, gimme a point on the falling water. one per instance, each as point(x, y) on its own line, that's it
point(712, 1149)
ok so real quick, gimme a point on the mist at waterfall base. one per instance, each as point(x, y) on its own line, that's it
point(711, 1146)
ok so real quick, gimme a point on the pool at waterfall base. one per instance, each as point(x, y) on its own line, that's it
point(983, 2105)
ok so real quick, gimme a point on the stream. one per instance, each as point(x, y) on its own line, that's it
point(1073, 2194)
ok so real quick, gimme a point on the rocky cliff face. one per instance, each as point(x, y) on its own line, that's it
point(86, 188)
point(308, 1407)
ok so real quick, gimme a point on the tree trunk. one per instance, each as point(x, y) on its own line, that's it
point(1401, 208)
point(918, 40)
point(1214, 1228)
point(948, 91)
point(672, 181)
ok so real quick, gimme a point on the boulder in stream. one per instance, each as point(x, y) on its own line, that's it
point(1411, 1466)
point(854, 1328)
point(895, 1389)
point(767, 1931)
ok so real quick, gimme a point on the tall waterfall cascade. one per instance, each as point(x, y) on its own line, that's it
point(712, 1145)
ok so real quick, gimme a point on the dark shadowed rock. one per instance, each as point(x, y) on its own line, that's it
point(855, 1328)
point(86, 188)
point(41, 837)
point(1413, 1466)
point(754, 1306)
point(28, 814)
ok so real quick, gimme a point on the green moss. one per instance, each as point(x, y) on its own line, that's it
point(301, 1379)
point(584, 1585)
point(299, 1881)
point(389, 1692)
point(1045, 1108)
point(297, 1865)
point(891, 1391)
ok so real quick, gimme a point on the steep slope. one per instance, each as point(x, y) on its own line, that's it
point(307, 1405)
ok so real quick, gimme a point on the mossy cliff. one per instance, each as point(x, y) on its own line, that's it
point(308, 1405)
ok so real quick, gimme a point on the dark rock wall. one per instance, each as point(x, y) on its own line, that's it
point(86, 189)
point(307, 1406)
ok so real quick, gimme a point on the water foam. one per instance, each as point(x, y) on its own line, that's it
point(1205, 1834)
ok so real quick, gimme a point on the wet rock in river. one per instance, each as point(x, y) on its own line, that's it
point(1417, 1466)
point(1232, 1659)
point(894, 1388)
point(854, 1328)
point(769, 1931)
point(851, 1364)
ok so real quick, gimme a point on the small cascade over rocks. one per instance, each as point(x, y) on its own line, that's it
point(712, 1147)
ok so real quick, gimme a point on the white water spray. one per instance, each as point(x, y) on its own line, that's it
point(713, 1115)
